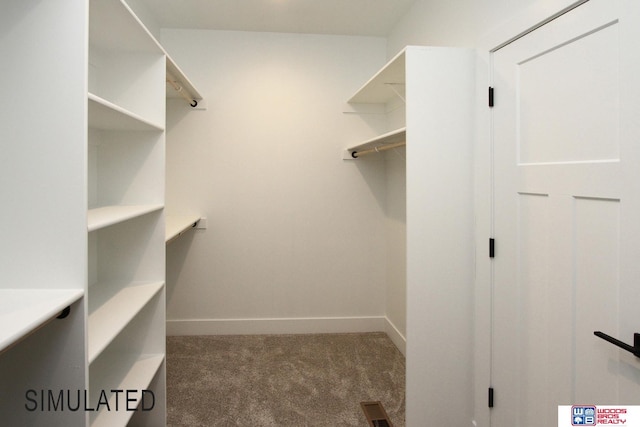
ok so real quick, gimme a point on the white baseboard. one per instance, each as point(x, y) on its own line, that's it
point(314, 325)
point(396, 337)
point(317, 325)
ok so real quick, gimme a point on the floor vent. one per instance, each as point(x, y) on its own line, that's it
point(376, 415)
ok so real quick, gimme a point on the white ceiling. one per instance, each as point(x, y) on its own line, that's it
point(344, 17)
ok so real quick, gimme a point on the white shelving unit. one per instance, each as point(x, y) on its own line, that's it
point(127, 73)
point(43, 217)
point(83, 219)
point(436, 87)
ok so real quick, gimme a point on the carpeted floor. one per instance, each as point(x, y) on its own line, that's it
point(282, 380)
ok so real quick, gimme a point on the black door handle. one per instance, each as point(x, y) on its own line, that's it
point(635, 349)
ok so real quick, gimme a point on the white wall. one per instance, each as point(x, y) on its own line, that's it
point(458, 23)
point(296, 235)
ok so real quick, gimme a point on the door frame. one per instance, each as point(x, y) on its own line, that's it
point(529, 19)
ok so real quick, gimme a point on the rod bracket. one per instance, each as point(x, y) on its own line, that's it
point(64, 313)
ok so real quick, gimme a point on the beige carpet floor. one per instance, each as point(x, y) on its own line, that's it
point(282, 380)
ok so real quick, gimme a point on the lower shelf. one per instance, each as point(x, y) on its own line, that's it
point(110, 313)
point(138, 378)
point(22, 311)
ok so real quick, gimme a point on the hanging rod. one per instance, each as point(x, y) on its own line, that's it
point(178, 88)
point(357, 154)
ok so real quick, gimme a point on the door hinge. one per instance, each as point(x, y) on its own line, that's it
point(490, 96)
point(492, 248)
point(490, 397)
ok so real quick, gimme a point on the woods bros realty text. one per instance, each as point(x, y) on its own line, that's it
point(596, 415)
point(78, 400)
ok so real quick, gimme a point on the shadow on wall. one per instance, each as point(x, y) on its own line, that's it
point(177, 252)
point(177, 110)
point(385, 176)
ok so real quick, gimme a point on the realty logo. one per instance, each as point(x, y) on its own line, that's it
point(583, 415)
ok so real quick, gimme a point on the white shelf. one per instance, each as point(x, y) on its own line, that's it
point(385, 84)
point(138, 378)
point(393, 137)
point(98, 218)
point(109, 314)
point(109, 116)
point(175, 225)
point(175, 74)
point(24, 310)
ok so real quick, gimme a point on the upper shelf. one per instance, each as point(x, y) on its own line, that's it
point(22, 311)
point(385, 85)
point(133, 35)
point(179, 85)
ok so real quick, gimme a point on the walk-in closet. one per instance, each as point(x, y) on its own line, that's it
point(252, 194)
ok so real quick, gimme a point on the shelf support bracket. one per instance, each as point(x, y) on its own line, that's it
point(392, 86)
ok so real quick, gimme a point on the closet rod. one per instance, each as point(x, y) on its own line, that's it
point(378, 149)
point(178, 89)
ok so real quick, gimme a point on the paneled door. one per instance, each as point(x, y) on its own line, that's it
point(566, 166)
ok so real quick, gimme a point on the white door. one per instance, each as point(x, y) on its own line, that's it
point(566, 135)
